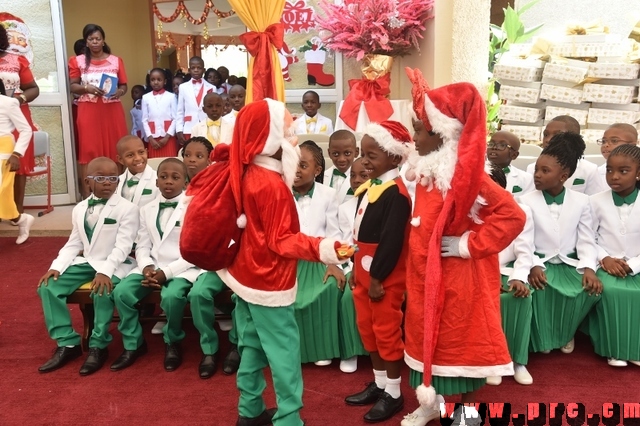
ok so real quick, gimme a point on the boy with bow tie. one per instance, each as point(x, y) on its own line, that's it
point(104, 227)
point(190, 100)
point(214, 128)
point(342, 151)
point(312, 122)
point(138, 182)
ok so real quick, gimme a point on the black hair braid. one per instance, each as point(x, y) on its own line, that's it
point(567, 148)
point(318, 157)
point(198, 139)
point(630, 151)
point(498, 176)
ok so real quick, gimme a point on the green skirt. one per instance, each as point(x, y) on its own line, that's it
point(516, 323)
point(350, 342)
point(614, 326)
point(316, 311)
point(559, 308)
point(448, 385)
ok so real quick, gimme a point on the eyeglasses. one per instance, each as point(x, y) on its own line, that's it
point(103, 179)
point(498, 146)
point(604, 141)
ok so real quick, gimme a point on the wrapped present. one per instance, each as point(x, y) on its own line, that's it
point(521, 114)
point(527, 95)
point(525, 133)
point(587, 50)
point(610, 116)
point(591, 135)
point(575, 74)
point(579, 114)
point(613, 70)
point(610, 94)
point(561, 94)
point(517, 72)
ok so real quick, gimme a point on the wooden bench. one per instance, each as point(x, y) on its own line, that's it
point(82, 297)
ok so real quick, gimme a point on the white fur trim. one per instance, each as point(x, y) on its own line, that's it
point(436, 168)
point(472, 371)
point(259, 297)
point(386, 141)
point(415, 222)
point(463, 246)
point(447, 127)
point(413, 363)
point(426, 395)
point(241, 221)
point(328, 254)
point(276, 127)
point(474, 213)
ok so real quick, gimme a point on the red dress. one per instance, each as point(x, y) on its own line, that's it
point(14, 72)
point(101, 121)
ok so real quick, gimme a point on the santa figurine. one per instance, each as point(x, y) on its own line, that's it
point(460, 223)
point(263, 160)
point(19, 36)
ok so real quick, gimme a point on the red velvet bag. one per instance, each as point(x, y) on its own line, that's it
point(210, 237)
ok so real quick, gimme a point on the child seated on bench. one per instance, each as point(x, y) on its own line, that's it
point(104, 227)
point(138, 182)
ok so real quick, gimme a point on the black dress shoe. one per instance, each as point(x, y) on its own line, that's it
point(263, 419)
point(94, 361)
point(60, 358)
point(386, 407)
point(368, 396)
point(231, 361)
point(172, 356)
point(127, 358)
point(207, 366)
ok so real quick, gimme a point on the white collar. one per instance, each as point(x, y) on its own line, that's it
point(171, 200)
point(268, 163)
point(389, 175)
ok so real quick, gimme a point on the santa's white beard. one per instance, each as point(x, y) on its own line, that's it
point(290, 160)
point(27, 52)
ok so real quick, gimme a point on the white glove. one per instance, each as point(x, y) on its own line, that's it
point(450, 247)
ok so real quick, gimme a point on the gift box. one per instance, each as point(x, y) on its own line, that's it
point(517, 72)
point(614, 70)
point(520, 94)
point(610, 94)
point(521, 114)
point(591, 135)
point(587, 50)
point(610, 116)
point(526, 133)
point(561, 94)
point(575, 74)
point(579, 114)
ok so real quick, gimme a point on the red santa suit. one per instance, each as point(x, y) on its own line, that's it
point(452, 323)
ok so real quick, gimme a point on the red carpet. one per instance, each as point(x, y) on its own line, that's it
point(146, 394)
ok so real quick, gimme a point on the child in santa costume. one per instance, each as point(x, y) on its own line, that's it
point(461, 221)
point(378, 279)
point(262, 165)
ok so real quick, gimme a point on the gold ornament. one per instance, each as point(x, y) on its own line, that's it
point(375, 66)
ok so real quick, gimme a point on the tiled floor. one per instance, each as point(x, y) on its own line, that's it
point(56, 223)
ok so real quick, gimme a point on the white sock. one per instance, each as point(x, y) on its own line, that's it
point(381, 378)
point(393, 387)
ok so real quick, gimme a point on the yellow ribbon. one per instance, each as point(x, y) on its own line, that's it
point(312, 120)
point(373, 192)
point(589, 28)
point(213, 123)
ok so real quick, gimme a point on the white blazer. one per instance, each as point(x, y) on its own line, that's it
point(226, 130)
point(12, 119)
point(323, 125)
point(320, 217)
point(341, 192)
point(163, 252)
point(602, 174)
point(159, 114)
point(346, 219)
point(613, 238)
point(111, 243)
point(518, 178)
point(189, 112)
point(585, 179)
point(520, 251)
point(572, 233)
point(146, 191)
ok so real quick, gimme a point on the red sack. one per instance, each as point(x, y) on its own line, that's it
point(210, 237)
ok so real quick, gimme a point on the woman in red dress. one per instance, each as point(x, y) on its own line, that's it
point(17, 77)
point(101, 121)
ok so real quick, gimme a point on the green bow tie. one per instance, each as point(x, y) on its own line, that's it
point(350, 191)
point(629, 199)
point(550, 199)
point(506, 170)
point(376, 182)
point(95, 201)
point(132, 182)
point(168, 205)
point(337, 172)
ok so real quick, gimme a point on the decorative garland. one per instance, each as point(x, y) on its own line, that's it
point(183, 13)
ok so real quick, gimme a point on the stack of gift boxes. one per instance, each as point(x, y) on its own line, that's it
point(598, 89)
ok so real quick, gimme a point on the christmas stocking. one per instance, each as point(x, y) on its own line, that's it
point(315, 74)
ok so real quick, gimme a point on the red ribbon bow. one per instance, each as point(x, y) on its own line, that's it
point(196, 80)
point(258, 45)
point(373, 94)
point(158, 92)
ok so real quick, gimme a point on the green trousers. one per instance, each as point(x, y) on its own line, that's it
point(57, 316)
point(268, 336)
point(204, 289)
point(173, 300)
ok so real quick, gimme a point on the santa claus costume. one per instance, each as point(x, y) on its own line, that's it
point(461, 221)
point(263, 273)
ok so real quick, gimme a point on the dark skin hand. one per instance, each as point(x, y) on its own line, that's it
point(334, 271)
point(376, 292)
point(154, 278)
point(101, 284)
point(537, 278)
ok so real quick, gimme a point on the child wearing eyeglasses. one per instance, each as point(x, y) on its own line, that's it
point(617, 134)
point(502, 149)
point(104, 227)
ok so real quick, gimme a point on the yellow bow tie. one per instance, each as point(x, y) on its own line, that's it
point(374, 190)
point(312, 120)
point(213, 123)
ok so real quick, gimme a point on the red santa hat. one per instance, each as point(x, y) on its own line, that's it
point(457, 113)
point(392, 137)
point(10, 21)
point(259, 130)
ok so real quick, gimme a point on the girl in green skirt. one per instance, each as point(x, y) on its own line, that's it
point(613, 325)
point(565, 249)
